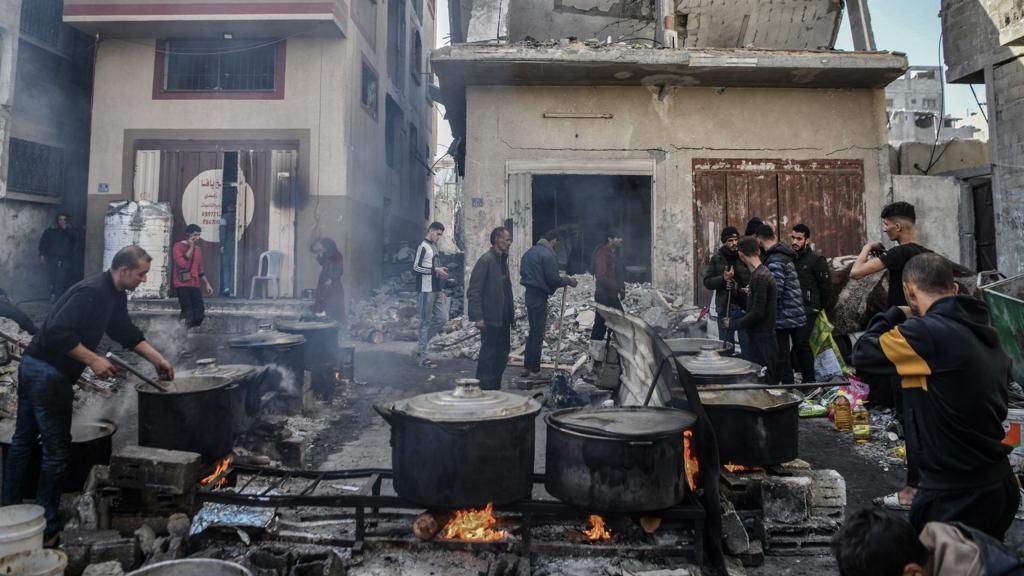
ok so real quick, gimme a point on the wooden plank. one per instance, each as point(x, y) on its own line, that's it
point(709, 208)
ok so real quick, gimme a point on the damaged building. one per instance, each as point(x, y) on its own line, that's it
point(983, 43)
point(668, 145)
point(269, 124)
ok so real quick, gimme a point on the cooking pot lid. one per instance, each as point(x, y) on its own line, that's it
point(625, 421)
point(708, 362)
point(695, 345)
point(305, 325)
point(81, 432)
point(207, 375)
point(750, 399)
point(467, 402)
point(266, 337)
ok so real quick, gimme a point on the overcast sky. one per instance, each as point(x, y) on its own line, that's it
point(909, 26)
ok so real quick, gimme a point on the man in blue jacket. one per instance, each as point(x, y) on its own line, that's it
point(538, 273)
point(790, 315)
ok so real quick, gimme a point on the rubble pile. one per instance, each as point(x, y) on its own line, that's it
point(666, 312)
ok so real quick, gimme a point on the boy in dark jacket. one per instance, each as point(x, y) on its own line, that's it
point(816, 286)
point(759, 320)
point(790, 316)
point(491, 309)
point(609, 290)
point(954, 383)
point(538, 273)
point(726, 275)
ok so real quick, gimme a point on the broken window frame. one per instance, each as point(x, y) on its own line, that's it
point(369, 98)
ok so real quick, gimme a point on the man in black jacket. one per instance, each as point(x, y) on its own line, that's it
point(759, 320)
point(57, 249)
point(954, 380)
point(491, 309)
point(816, 285)
point(790, 316)
point(726, 275)
point(65, 344)
point(538, 273)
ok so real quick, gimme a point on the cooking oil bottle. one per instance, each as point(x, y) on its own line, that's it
point(841, 413)
point(861, 423)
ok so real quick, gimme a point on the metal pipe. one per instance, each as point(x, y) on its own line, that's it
point(122, 364)
point(807, 386)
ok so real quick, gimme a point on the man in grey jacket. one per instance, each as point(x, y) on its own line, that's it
point(491, 309)
point(538, 273)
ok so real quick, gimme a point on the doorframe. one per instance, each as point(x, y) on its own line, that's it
point(645, 167)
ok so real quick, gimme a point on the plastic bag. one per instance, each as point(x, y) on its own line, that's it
point(828, 360)
point(855, 391)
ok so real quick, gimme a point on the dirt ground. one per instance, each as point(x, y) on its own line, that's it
point(358, 437)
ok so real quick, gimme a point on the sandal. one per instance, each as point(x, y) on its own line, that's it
point(891, 502)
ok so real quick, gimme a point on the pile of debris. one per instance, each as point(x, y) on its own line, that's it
point(668, 313)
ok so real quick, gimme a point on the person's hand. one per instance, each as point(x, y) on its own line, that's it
point(573, 282)
point(480, 324)
point(726, 322)
point(729, 275)
point(442, 272)
point(328, 282)
point(164, 369)
point(907, 311)
point(730, 285)
point(209, 288)
point(102, 368)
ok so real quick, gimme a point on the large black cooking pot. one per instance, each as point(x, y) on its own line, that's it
point(280, 352)
point(91, 445)
point(627, 459)
point(321, 346)
point(462, 448)
point(202, 411)
point(754, 427)
point(709, 367)
point(693, 346)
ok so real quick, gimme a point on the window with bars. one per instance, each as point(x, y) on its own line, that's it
point(43, 21)
point(368, 90)
point(220, 65)
point(35, 168)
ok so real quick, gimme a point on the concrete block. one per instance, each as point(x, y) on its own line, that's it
point(786, 499)
point(293, 452)
point(145, 468)
point(734, 534)
point(810, 538)
point(267, 562)
point(325, 564)
point(178, 525)
point(112, 568)
point(125, 551)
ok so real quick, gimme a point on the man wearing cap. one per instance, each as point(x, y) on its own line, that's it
point(726, 275)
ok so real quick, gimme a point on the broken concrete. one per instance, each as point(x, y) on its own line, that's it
point(786, 499)
point(143, 468)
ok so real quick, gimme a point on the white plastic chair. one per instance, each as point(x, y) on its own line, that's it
point(271, 273)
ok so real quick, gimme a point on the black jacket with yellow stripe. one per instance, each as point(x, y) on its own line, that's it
point(955, 377)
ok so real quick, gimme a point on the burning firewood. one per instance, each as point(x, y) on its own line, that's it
point(428, 524)
point(598, 531)
point(650, 524)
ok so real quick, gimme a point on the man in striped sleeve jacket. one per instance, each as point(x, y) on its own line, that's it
point(433, 309)
point(954, 380)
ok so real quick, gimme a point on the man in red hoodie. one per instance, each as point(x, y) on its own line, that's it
point(609, 290)
point(189, 275)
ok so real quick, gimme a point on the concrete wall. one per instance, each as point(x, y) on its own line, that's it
point(954, 155)
point(506, 124)
point(349, 193)
point(1006, 105)
point(945, 214)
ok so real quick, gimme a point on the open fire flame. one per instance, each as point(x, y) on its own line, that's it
point(474, 525)
point(222, 465)
point(598, 532)
point(691, 465)
point(734, 468)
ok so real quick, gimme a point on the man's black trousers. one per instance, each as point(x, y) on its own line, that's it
point(537, 313)
point(495, 345)
point(192, 308)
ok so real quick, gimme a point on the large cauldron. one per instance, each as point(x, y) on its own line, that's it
point(91, 445)
point(281, 352)
point(754, 427)
point(710, 367)
point(320, 351)
point(463, 447)
point(627, 459)
point(203, 410)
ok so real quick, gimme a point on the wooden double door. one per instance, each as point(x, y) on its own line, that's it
point(826, 195)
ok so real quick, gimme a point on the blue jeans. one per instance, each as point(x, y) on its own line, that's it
point(44, 411)
point(432, 318)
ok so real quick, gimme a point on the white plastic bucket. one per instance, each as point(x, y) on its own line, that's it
point(192, 567)
point(34, 563)
point(21, 528)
